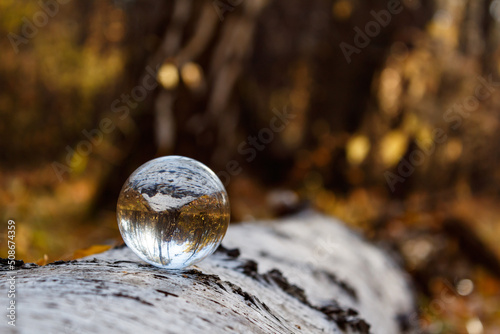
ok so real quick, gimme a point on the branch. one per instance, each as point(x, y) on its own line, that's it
point(304, 274)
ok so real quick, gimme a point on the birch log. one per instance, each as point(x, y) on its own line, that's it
point(303, 274)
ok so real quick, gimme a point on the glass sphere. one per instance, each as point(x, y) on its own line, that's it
point(173, 212)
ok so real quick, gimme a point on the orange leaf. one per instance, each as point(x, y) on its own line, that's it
point(95, 249)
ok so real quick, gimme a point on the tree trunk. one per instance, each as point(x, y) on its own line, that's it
point(304, 274)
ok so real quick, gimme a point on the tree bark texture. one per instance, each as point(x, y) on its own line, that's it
point(304, 274)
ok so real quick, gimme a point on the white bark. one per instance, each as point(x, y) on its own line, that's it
point(347, 285)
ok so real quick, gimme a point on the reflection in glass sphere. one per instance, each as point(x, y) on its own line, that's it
point(173, 212)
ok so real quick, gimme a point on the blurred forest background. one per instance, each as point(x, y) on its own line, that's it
point(295, 104)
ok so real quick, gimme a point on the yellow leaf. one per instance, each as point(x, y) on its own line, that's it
point(95, 249)
point(357, 148)
point(43, 261)
point(392, 147)
point(192, 74)
point(168, 76)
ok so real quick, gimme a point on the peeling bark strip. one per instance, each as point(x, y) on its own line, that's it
point(304, 274)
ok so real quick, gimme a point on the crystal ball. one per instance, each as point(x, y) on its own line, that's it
point(173, 212)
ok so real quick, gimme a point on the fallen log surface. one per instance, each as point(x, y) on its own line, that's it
point(302, 274)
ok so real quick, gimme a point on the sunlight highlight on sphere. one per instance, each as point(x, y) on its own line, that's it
point(173, 212)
